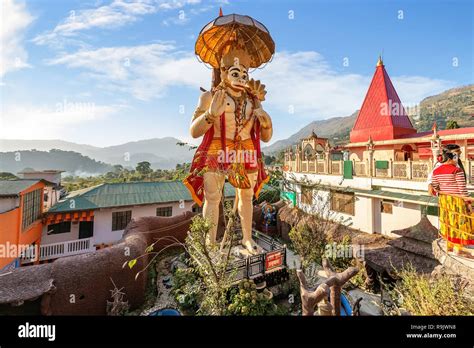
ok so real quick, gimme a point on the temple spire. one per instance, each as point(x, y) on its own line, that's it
point(382, 114)
point(380, 61)
point(220, 12)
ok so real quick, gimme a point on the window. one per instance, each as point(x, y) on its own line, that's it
point(62, 227)
point(197, 209)
point(429, 210)
point(342, 202)
point(120, 220)
point(164, 211)
point(31, 208)
point(306, 195)
point(386, 207)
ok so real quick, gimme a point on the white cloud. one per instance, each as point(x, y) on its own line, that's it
point(145, 71)
point(301, 81)
point(50, 121)
point(114, 15)
point(413, 89)
point(305, 82)
point(117, 14)
point(15, 19)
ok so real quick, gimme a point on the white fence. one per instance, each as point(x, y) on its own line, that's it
point(56, 250)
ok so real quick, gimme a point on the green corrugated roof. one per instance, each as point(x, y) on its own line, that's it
point(126, 194)
point(14, 187)
point(399, 196)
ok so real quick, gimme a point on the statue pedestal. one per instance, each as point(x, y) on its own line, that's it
point(240, 252)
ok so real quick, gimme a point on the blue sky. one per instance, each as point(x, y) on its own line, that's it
point(112, 71)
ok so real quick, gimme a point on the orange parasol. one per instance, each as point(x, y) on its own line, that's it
point(241, 31)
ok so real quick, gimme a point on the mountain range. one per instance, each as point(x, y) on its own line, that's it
point(162, 153)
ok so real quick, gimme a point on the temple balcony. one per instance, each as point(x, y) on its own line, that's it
point(398, 170)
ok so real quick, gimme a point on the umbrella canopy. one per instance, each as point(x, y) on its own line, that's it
point(241, 31)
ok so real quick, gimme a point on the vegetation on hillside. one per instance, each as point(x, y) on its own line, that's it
point(69, 161)
point(456, 104)
point(142, 172)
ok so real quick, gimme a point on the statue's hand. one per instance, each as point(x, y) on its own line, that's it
point(263, 117)
point(217, 105)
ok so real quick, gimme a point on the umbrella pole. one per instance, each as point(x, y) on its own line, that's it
point(216, 77)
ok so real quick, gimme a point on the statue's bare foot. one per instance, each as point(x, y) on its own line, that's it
point(252, 247)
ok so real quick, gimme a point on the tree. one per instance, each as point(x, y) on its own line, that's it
point(144, 168)
point(309, 232)
point(269, 160)
point(452, 124)
point(7, 176)
point(280, 157)
point(118, 168)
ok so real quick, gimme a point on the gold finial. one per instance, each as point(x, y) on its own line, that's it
point(380, 61)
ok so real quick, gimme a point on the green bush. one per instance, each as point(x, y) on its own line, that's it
point(245, 300)
point(187, 289)
point(336, 254)
point(426, 295)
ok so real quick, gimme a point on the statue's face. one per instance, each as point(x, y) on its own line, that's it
point(236, 77)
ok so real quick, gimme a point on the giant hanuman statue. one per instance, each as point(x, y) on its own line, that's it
point(231, 119)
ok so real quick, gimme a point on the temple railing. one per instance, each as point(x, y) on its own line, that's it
point(402, 170)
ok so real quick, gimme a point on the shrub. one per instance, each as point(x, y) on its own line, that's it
point(309, 244)
point(426, 295)
point(187, 289)
point(245, 300)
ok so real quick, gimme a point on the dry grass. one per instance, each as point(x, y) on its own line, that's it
point(426, 295)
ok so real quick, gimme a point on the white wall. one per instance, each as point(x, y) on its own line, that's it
point(368, 216)
point(61, 237)
point(103, 219)
point(103, 223)
point(409, 214)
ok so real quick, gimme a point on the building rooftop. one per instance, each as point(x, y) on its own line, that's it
point(382, 115)
point(15, 187)
point(127, 194)
point(46, 171)
point(443, 132)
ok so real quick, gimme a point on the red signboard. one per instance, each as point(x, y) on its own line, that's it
point(273, 259)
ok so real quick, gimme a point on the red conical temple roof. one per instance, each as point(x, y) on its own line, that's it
point(382, 115)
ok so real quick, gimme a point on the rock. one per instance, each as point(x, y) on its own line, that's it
point(370, 304)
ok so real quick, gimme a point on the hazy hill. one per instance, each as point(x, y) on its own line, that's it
point(162, 153)
point(454, 104)
point(71, 162)
point(336, 129)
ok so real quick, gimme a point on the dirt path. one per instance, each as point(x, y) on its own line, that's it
point(164, 299)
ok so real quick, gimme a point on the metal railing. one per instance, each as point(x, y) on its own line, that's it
point(261, 264)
